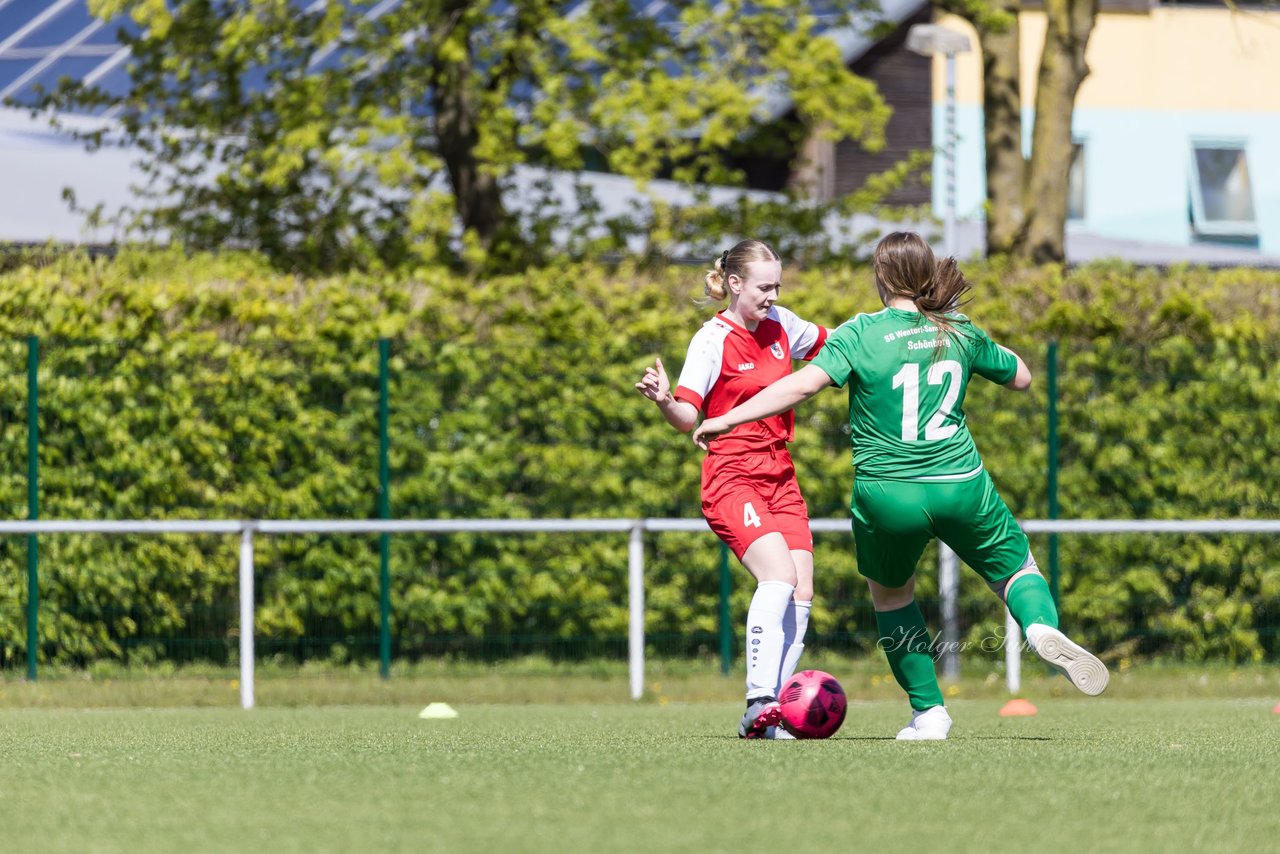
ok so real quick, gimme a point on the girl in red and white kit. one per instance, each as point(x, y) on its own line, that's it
point(750, 497)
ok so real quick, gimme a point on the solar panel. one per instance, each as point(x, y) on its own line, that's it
point(42, 41)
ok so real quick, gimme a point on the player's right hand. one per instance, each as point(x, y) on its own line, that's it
point(654, 384)
point(708, 430)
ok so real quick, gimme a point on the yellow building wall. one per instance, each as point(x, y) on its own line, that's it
point(1173, 58)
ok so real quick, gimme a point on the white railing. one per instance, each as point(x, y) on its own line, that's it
point(635, 557)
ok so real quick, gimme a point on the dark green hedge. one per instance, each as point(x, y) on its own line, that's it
point(212, 388)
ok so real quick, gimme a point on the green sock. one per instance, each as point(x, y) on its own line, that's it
point(906, 644)
point(1030, 601)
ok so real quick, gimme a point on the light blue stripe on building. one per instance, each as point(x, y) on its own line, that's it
point(1138, 172)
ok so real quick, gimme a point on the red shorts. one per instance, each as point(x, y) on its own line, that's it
point(745, 496)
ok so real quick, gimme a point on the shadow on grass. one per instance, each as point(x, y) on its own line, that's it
point(881, 738)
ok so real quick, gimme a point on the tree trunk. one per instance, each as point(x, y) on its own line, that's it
point(1002, 133)
point(1062, 70)
point(477, 195)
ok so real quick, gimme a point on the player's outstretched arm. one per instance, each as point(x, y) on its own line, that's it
point(1022, 379)
point(654, 385)
point(778, 397)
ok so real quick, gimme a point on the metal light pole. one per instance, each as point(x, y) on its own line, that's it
point(935, 40)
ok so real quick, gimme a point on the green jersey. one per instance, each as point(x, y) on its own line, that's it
point(906, 392)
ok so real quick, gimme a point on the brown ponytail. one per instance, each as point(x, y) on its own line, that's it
point(905, 266)
point(941, 295)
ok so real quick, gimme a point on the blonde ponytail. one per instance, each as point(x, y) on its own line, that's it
point(734, 262)
point(717, 288)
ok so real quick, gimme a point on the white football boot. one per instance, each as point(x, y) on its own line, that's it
point(1079, 665)
point(932, 724)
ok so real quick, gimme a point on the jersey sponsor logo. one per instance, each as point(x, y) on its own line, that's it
point(776, 349)
point(747, 366)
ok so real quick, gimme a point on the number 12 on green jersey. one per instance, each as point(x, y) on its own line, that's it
point(945, 372)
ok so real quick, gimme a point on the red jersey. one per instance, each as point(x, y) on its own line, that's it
point(727, 364)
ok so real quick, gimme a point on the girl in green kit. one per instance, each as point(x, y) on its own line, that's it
point(917, 471)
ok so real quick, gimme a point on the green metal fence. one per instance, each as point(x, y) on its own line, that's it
point(394, 429)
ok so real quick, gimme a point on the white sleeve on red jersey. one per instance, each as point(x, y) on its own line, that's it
point(702, 364)
point(806, 338)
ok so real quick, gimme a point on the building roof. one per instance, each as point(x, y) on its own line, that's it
point(861, 34)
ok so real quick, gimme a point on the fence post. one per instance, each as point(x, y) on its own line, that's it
point(33, 502)
point(635, 586)
point(1012, 652)
point(949, 592)
point(726, 631)
point(384, 511)
point(1051, 377)
point(246, 615)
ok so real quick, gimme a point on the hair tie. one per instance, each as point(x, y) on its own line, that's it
point(724, 259)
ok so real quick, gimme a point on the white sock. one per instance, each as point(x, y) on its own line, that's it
point(765, 638)
point(794, 624)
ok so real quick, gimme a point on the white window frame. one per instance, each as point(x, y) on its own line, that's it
point(1201, 225)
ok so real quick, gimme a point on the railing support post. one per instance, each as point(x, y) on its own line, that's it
point(635, 587)
point(1012, 653)
point(246, 615)
point(949, 593)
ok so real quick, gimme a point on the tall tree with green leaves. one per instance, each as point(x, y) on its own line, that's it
point(331, 134)
point(1027, 196)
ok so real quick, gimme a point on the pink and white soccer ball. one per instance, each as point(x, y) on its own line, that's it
point(813, 704)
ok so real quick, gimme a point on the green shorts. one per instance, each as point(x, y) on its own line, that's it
point(893, 521)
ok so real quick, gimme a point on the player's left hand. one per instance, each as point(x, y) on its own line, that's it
point(708, 430)
point(654, 384)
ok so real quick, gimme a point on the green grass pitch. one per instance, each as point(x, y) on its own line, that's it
point(1111, 774)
